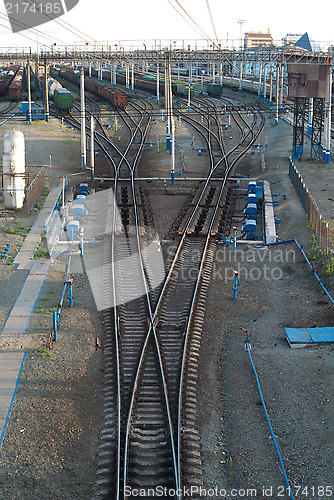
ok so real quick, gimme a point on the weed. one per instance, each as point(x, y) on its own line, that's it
point(46, 309)
point(43, 352)
point(41, 253)
point(316, 251)
point(19, 232)
point(327, 266)
point(230, 471)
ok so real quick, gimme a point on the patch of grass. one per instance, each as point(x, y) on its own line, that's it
point(327, 266)
point(17, 231)
point(41, 251)
point(43, 352)
point(316, 251)
point(46, 309)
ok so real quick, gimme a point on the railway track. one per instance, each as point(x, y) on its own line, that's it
point(154, 321)
point(156, 341)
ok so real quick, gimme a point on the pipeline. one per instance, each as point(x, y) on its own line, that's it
point(310, 265)
point(267, 416)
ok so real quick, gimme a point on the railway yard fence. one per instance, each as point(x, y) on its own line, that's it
point(324, 230)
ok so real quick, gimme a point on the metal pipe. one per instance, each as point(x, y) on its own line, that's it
point(310, 116)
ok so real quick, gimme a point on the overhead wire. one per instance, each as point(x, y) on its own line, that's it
point(211, 18)
point(216, 45)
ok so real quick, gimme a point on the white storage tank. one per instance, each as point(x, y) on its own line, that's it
point(13, 163)
point(52, 86)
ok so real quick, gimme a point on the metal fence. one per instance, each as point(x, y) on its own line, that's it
point(324, 230)
point(34, 190)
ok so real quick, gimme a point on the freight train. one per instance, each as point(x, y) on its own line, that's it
point(116, 97)
point(145, 82)
point(62, 97)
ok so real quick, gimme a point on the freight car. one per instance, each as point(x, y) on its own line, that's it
point(145, 82)
point(15, 88)
point(63, 99)
point(52, 86)
point(5, 80)
point(33, 82)
point(214, 89)
point(116, 97)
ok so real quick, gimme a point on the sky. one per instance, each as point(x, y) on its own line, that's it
point(145, 20)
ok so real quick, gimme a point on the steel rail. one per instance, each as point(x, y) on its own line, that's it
point(144, 350)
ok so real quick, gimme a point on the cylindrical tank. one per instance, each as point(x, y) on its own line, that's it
point(13, 162)
point(52, 86)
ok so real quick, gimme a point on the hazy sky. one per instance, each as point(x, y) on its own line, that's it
point(104, 20)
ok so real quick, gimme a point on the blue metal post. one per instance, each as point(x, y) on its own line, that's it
point(55, 319)
point(70, 292)
point(235, 287)
point(234, 238)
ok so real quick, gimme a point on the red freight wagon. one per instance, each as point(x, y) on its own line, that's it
point(15, 91)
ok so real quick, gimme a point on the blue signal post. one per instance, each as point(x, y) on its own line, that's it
point(235, 287)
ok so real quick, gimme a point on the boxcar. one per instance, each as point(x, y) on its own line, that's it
point(118, 99)
point(15, 91)
point(63, 99)
point(214, 89)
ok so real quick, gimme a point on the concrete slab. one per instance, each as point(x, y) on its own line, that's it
point(23, 258)
point(15, 324)
point(13, 341)
point(302, 337)
point(4, 412)
point(8, 383)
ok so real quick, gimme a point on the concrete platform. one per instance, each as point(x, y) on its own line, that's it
point(11, 365)
point(13, 340)
point(23, 258)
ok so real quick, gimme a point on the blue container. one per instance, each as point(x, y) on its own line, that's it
point(250, 226)
point(251, 186)
point(251, 209)
point(252, 198)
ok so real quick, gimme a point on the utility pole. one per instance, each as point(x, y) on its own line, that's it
point(92, 148)
point(83, 119)
point(29, 91)
point(46, 92)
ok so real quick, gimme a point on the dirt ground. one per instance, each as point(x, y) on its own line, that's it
point(51, 442)
point(276, 290)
